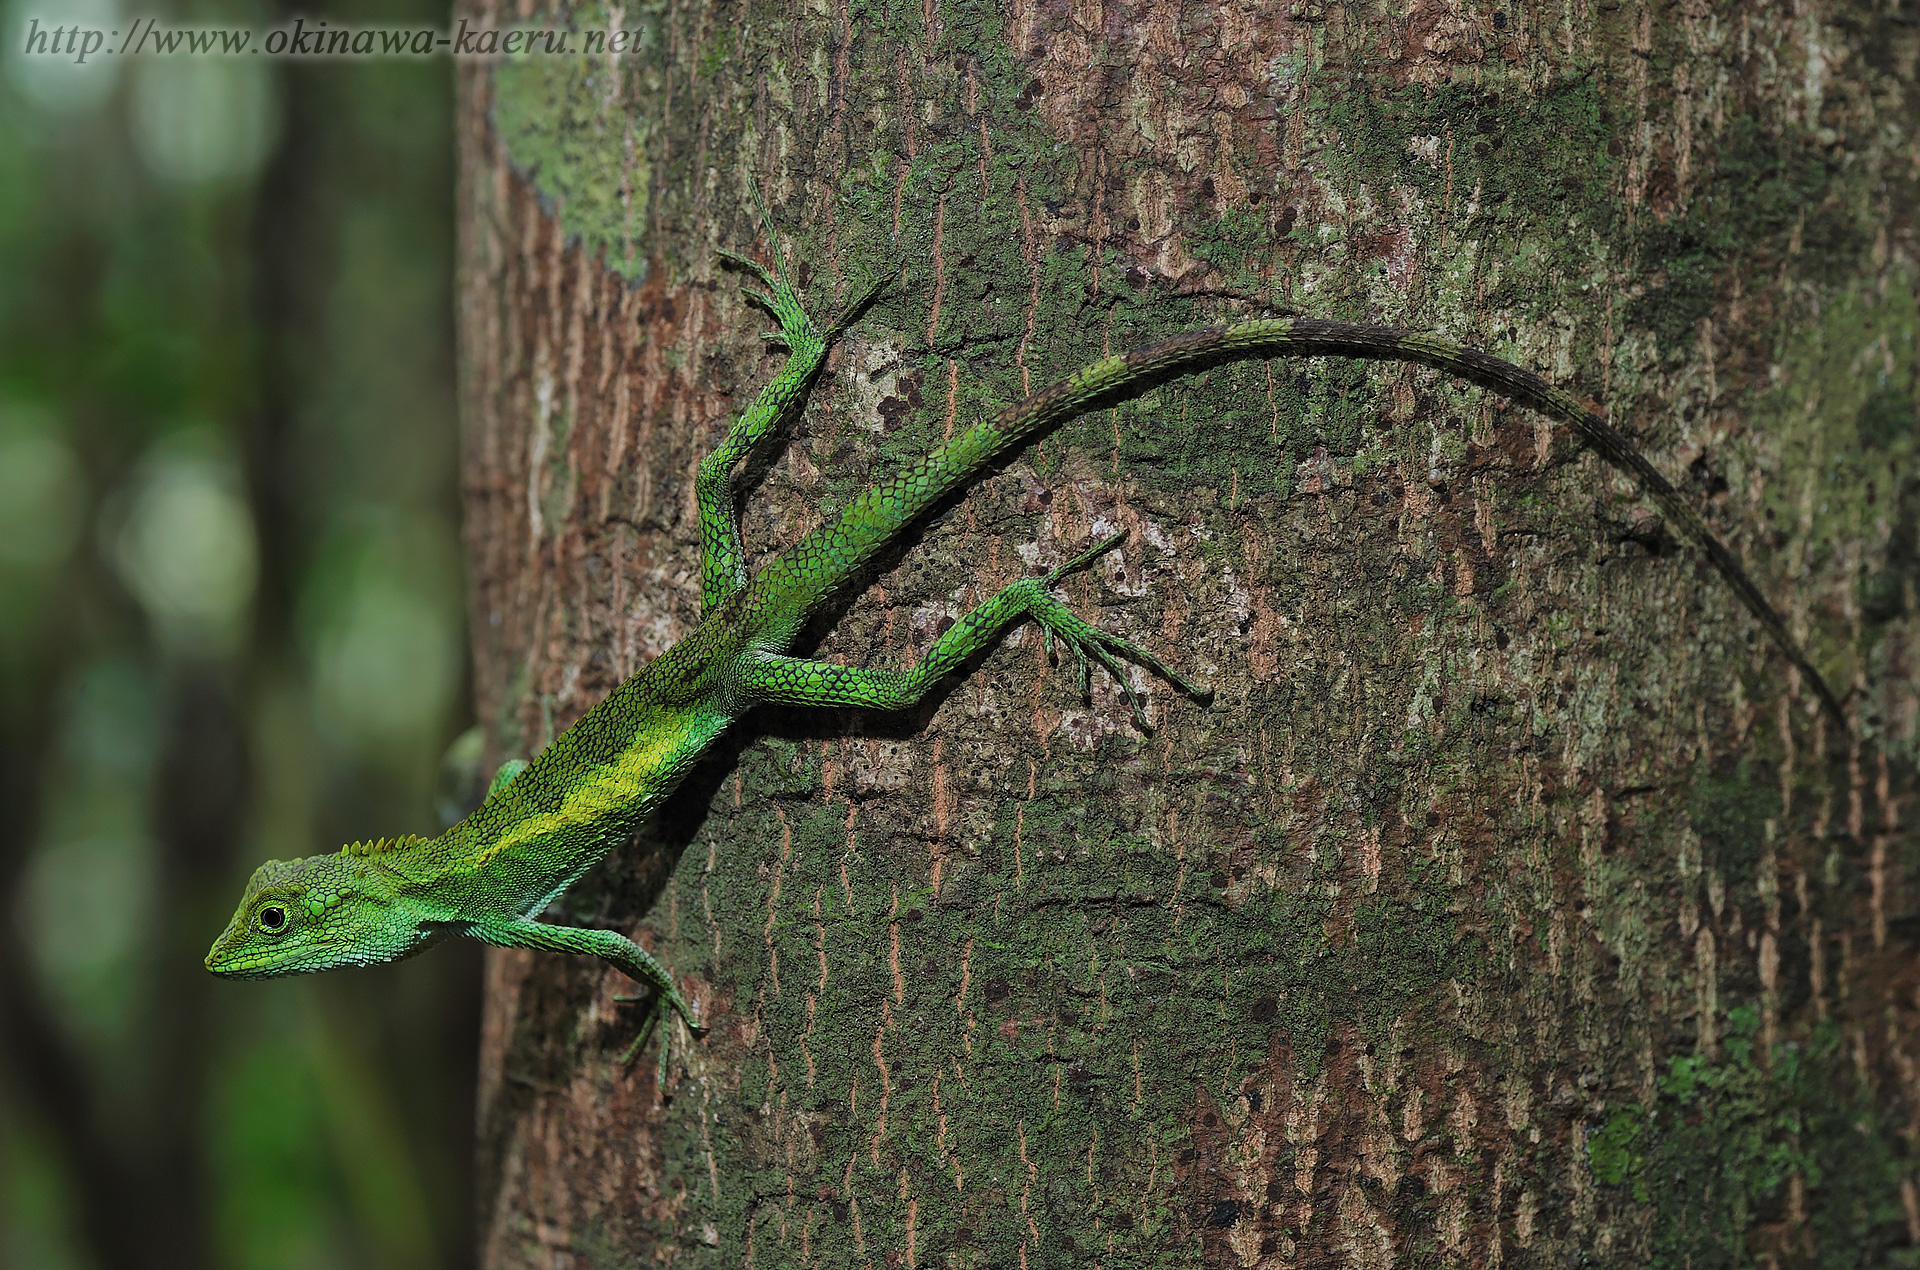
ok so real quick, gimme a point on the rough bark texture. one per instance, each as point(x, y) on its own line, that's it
point(1510, 905)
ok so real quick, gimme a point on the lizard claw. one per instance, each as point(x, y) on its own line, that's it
point(639, 1042)
point(1086, 557)
point(748, 265)
point(1089, 641)
point(759, 298)
point(660, 1001)
point(782, 301)
point(862, 302)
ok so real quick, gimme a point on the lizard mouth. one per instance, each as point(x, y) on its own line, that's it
point(232, 958)
point(229, 967)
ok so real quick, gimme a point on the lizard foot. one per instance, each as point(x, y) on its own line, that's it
point(797, 331)
point(1057, 621)
point(659, 1002)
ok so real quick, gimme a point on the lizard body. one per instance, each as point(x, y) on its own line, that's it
point(545, 823)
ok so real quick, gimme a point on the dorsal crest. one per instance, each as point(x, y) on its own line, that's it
point(382, 846)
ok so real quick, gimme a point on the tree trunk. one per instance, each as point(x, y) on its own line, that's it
point(1512, 903)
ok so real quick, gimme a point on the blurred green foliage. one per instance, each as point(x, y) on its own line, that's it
point(230, 629)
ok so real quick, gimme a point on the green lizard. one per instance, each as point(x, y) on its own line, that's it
point(545, 823)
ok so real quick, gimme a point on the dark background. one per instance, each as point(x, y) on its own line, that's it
point(231, 628)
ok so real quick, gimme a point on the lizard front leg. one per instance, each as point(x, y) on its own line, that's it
point(629, 958)
point(796, 681)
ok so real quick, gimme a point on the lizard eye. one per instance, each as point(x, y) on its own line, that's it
point(273, 919)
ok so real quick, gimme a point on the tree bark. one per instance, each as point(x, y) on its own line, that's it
point(1511, 904)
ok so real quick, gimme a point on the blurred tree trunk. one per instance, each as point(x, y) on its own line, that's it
point(1511, 903)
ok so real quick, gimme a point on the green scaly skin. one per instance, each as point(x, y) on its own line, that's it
point(541, 828)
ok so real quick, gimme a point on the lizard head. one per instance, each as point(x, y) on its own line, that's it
point(326, 911)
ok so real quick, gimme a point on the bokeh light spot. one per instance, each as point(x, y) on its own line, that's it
point(386, 667)
point(42, 499)
point(186, 548)
point(197, 120)
point(60, 84)
point(86, 910)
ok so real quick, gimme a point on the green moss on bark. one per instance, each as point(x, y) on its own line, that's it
point(1739, 1145)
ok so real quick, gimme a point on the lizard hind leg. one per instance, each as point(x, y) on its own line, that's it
point(723, 570)
point(722, 557)
point(797, 681)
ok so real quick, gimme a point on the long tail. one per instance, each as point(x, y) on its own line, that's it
point(806, 574)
